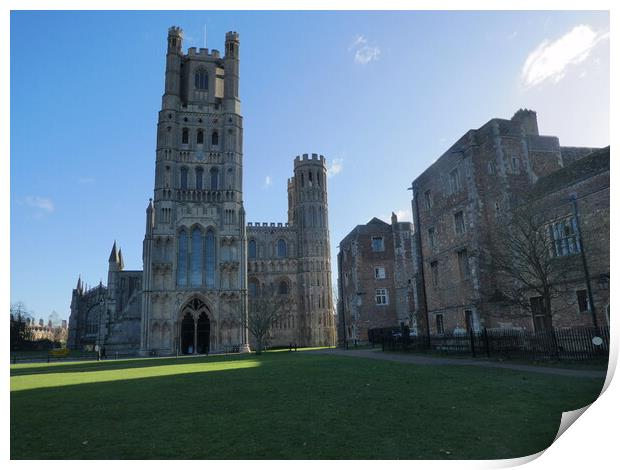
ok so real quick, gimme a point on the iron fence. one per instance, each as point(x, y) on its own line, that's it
point(566, 344)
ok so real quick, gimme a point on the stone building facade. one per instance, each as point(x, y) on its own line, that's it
point(375, 279)
point(293, 258)
point(458, 205)
point(192, 295)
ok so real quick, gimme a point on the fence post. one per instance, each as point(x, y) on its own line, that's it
point(472, 343)
point(486, 342)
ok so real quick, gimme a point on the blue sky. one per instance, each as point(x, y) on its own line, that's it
point(380, 94)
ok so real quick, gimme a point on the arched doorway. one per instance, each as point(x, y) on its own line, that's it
point(202, 336)
point(187, 334)
point(194, 328)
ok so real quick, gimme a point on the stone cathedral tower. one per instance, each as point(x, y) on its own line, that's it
point(194, 280)
point(201, 260)
point(308, 211)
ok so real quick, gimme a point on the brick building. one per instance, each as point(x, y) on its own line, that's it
point(462, 200)
point(375, 273)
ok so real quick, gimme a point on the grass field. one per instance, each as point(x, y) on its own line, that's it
point(284, 405)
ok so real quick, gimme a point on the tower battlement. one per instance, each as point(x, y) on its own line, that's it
point(269, 225)
point(309, 159)
point(232, 36)
point(175, 31)
point(203, 52)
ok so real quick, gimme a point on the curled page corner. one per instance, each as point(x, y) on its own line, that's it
point(568, 418)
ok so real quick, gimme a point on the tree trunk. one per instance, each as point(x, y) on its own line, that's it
point(259, 346)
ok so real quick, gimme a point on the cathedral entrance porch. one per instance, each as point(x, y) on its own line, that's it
point(194, 328)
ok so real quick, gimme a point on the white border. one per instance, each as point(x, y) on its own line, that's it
point(591, 443)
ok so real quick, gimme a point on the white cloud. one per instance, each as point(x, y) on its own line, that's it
point(364, 53)
point(404, 215)
point(42, 203)
point(335, 167)
point(550, 60)
point(267, 182)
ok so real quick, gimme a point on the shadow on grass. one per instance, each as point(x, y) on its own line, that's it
point(299, 407)
point(117, 364)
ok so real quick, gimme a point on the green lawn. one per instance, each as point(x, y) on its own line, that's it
point(284, 405)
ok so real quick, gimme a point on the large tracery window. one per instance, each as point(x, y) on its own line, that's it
point(195, 270)
point(201, 80)
point(210, 259)
point(182, 260)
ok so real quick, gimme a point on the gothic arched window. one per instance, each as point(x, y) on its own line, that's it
point(201, 80)
point(283, 288)
point(210, 259)
point(195, 265)
point(230, 178)
point(182, 260)
point(281, 248)
point(252, 249)
point(215, 138)
point(185, 136)
point(199, 172)
point(214, 178)
point(184, 178)
point(200, 136)
point(253, 287)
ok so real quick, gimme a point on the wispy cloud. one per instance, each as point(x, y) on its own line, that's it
point(335, 167)
point(364, 52)
point(86, 180)
point(551, 59)
point(42, 205)
point(267, 182)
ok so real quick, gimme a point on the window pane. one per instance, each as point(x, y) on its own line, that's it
point(183, 178)
point(281, 248)
point(195, 276)
point(210, 259)
point(252, 249)
point(199, 178)
point(182, 261)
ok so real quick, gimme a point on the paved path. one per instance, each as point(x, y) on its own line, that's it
point(437, 361)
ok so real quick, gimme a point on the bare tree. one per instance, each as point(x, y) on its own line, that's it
point(265, 308)
point(524, 267)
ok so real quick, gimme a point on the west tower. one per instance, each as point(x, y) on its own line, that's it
point(194, 279)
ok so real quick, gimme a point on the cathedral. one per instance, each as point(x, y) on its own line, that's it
point(201, 260)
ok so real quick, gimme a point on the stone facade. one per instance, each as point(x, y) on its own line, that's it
point(375, 274)
point(191, 296)
point(294, 258)
point(458, 204)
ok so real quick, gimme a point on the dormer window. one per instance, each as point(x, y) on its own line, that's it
point(201, 80)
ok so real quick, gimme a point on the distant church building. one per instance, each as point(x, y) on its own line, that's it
point(201, 260)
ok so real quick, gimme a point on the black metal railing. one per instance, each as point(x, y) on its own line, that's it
point(566, 344)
